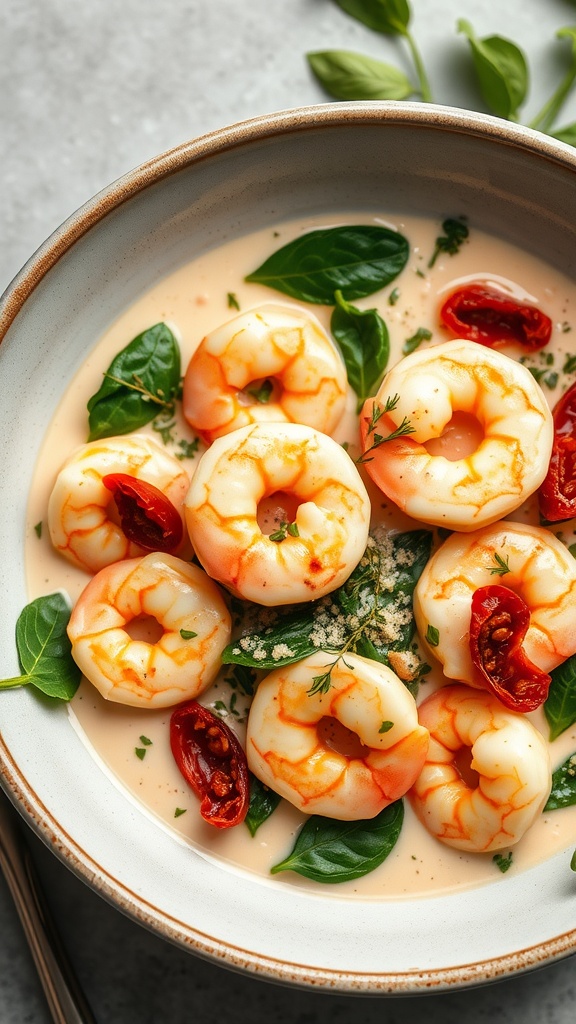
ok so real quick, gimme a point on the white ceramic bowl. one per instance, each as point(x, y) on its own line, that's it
point(407, 157)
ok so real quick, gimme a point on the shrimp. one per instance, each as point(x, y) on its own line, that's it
point(157, 592)
point(80, 521)
point(287, 352)
point(470, 435)
point(345, 754)
point(494, 800)
point(528, 560)
point(321, 511)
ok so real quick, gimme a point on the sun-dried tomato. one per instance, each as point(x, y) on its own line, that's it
point(498, 624)
point(211, 759)
point(492, 318)
point(557, 494)
point(147, 516)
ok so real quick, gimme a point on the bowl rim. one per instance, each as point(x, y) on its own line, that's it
point(134, 905)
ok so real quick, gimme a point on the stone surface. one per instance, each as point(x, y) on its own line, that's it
point(89, 90)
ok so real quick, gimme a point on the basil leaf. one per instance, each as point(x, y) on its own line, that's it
point(44, 650)
point(391, 17)
point(560, 705)
point(356, 260)
point(353, 76)
point(339, 851)
point(501, 69)
point(140, 382)
point(363, 339)
point(563, 792)
point(263, 801)
point(290, 633)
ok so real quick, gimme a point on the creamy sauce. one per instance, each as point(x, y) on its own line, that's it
point(193, 301)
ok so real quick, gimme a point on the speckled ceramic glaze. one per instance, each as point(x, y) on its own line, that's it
point(432, 160)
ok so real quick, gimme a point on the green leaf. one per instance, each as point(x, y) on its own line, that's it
point(363, 339)
point(291, 630)
point(339, 851)
point(263, 801)
point(433, 636)
point(141, 381)
point(44, 650)
point(563, 792)
point(501, 69)
point(353, 76)
point(356, 260)
point(391, 17)
point(414, 342)
point(560, 705)
point(566, 134)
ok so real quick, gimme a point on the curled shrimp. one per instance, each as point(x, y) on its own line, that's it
point(345, 754)
point(273, 363)
point(528, 560)
point(492, 801)
point(321, 512)
point(158, 593)
point(470, 435)
point(80, 517)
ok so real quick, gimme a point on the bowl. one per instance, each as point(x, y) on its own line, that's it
point(517, 185)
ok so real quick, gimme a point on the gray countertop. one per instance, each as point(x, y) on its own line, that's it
point(90, 89)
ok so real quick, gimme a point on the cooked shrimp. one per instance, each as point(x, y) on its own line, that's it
point(156, 593)
point(80, 520)
point(345, 754)
point(321, 511)
point(281, 353)
point(527, 559)
point(471, 435)
point(509, 776)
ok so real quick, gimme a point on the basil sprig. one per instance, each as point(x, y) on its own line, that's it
point(141, 382)
point(44, 650)
point(363, 339)
point(560, 705)
point(360, 611)
point(339, 851)
point(563, 792)
point(356, 260)
point(351, 76)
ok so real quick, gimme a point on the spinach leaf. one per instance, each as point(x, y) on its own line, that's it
point(263, 802)
point(44, 650)
point(352, 76)
point(560, 705)
point(363, 339)
point(566, 134)
point(501, 69)
point(141, 381)
point(391, 17)
point(563, 793)
point(339, 851)
point(356, 260)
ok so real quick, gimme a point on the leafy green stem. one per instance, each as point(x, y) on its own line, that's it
point(544, 120)
point(423, 81)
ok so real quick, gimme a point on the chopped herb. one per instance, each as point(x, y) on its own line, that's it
point(145, 741)
point(179, 811)
point(263, 394)
point(572, 549)
point(433, 636)
point(411, 344)
point(420, 273)
point(566, 328)
point(38, 529)
point(140, 752)
point(455, 233)
point(232, 301)
point(569, 365)
point(502, 862)
point(394, 296)
point(164, 425)
point(501, 567)
point(284, 529)
point(573, 861)
point(386, 726)
point(188, 449)
point(187, 634)
point(551, 380)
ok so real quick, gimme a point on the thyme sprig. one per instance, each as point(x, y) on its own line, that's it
point(378, 411)
point(502, 565)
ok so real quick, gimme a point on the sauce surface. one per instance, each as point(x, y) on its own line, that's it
point(193, 301)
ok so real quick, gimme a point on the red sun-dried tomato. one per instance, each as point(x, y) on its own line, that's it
point(498, 624)
point(147, 516)
point(492, 318)
point(557, 494)
point(211, 759)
